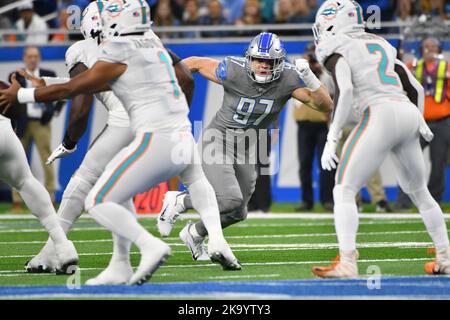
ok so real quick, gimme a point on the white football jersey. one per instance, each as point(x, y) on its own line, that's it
point(372, 62)
point(86, 52)
point(149, 88)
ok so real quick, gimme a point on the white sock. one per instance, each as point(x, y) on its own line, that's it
point(204, 202)
point(345, 218)
point(121, 245)
point(433, 218)
point(121, 248)
point(72, 204)
point(436, 227)
point(120, 221)
point(346, 222)
point(38, 201)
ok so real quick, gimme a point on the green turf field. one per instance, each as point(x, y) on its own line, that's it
point(270, 248)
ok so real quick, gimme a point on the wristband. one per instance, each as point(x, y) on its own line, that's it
point(311, 81)
point(68, 143)
point(26, 95)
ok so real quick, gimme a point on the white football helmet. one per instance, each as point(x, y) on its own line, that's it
point(121, 17)
point(337, 17)
point(91, 21)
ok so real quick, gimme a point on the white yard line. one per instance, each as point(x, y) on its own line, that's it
point(266, 236)
point(279, 247)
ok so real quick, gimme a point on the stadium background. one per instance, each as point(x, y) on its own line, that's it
point(207, 100)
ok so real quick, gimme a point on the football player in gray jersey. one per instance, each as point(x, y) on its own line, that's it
point(256, 88)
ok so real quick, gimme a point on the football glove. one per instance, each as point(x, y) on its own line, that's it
point(329, 158)
point(60, 152)
point(305, 73)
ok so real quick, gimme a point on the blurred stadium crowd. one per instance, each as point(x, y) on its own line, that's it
point(54, 14)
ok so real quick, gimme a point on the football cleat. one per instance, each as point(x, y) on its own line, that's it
point(223, 255)
point(194, 244)
point(45, 261)
point(338, 269)
point(437, 268)
point(169, 213)
point(67, 257)
point(118, 272)
point(151, 260)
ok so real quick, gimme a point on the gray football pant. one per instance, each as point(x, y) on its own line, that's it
point(234, 185)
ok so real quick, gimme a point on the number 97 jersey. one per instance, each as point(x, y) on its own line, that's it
point(248, 104)
point(372, 63)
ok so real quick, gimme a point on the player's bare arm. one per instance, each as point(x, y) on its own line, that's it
point(186, 80)
point(205, 66)
point(93, 80)
point(319, 100)
point(79, 111)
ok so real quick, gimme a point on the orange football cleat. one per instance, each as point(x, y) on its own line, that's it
point(338, 269)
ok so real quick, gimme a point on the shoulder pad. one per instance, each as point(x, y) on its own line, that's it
point(114, 50)
point(327, 47)
point(74, 55)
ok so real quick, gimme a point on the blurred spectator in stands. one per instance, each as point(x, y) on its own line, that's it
point(36, 127)
point(232, 9)
point(191, 17)
point(30, 22)
point(386, 8)
point(283, 12)
point(302, 12)
point(165, 18)
point(432, 70)
point(434, 8)
point(214, 17)
point(251, 15)
point(311, 138)
point(267, 10)
point(176, 6)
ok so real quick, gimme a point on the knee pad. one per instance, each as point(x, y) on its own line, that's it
point(229, 204)
point(343, 194)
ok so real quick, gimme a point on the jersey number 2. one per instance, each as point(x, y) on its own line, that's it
point(242, 116)
point(386, 79)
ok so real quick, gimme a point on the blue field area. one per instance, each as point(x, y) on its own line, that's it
point(388, 287)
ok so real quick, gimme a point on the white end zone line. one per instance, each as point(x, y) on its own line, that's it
point(310, 216)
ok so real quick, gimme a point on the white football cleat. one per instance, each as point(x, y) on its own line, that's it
point(45, 261)
point(117, 272)
point(67, 257)
point(339, 268)
point(169, 213)
point(194, 244)
point(221, 253)
point(151, 259)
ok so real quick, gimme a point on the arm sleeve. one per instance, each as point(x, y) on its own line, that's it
point(413, 88)
point(342, 77)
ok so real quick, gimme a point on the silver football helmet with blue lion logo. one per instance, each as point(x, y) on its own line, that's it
point(266, 47)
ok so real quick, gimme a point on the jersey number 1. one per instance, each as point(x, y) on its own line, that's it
point(386, 79)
